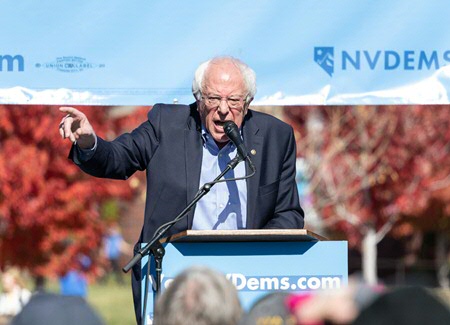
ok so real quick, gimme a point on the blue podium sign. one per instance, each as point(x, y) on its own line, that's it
point(257, 264)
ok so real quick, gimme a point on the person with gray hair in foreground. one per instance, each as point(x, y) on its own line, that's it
point(200, 296)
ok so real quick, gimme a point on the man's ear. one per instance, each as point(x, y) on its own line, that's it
point(247, 105)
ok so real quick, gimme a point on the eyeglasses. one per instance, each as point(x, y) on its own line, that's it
point(232, 102)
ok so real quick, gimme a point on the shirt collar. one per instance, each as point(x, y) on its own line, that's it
point(209, 142)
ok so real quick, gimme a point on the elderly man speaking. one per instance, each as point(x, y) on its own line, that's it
point(182, 147)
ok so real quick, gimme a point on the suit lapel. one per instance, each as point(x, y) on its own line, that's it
point(254, 143)
point(193, 155)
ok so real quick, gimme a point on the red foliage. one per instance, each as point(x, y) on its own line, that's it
point(374, 165)
point(49, 209)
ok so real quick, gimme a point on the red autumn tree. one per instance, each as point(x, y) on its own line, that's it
point(370, 167)
point(49, 209)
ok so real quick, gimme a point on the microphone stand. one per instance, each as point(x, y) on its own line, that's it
point(155, 246)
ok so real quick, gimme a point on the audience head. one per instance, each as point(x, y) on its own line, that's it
point(271, 309)
point(340, 306)
point(49, 308)
point(12, 279)
point(405, 306)
point(199, 296)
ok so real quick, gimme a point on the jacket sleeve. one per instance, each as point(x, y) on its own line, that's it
point(120, 158)
point(288, 212)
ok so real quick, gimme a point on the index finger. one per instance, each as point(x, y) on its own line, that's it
point(71, 110)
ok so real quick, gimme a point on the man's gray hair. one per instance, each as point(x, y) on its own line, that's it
point(248, 75)
point(199, 296)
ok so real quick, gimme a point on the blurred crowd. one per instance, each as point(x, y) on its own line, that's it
point(203, 296)
point(20, 305)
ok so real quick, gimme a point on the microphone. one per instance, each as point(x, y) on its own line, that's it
point(232, 132)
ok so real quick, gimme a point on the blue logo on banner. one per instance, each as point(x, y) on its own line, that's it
point(387, 60)
point(324, 56)
point(12, 61)
point(70, 64)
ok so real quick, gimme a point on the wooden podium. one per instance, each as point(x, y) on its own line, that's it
point(245, 235)
point(256, 261)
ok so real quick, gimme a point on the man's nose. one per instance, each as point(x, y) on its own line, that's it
point(223, 107)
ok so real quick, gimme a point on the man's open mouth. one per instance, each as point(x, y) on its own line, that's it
point(219, 123)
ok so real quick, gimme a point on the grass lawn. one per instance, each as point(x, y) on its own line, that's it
point(113, 302)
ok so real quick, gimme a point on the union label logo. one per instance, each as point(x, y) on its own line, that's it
point(70, 64)
point(324, 57)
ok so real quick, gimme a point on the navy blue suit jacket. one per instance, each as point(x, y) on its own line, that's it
point(169, 147)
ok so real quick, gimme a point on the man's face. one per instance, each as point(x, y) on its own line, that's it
point(223, 92)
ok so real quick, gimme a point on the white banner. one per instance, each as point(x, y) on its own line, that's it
point(145, 51)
